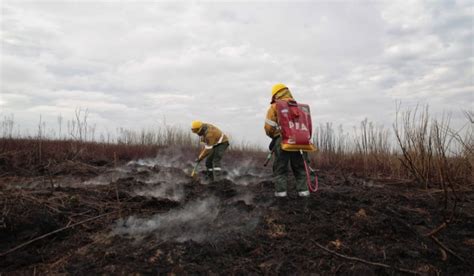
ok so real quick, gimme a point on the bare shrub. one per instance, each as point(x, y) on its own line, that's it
point(367, 151)
point(415, 140)
point(435, 154)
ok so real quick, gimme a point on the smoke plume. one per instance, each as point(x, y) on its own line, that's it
point(201, 220)
point(189, 223)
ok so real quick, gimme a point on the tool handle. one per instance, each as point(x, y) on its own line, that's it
point(269, 156)
point(193, 173)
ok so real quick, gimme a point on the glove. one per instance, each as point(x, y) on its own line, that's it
point(272, 143)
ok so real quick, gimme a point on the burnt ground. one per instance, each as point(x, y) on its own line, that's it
point(148, 218)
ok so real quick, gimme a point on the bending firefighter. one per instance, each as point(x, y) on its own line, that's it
point(215, 143)
point(289, 125)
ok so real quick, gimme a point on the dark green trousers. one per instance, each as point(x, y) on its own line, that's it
point(213, 161)
point(283, 160)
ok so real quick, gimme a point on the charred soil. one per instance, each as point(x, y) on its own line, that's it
point(155, 219)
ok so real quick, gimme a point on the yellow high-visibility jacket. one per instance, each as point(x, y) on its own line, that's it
point(211, 137)
point(272, 126)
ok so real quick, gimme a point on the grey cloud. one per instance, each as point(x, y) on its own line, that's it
point(134, 64)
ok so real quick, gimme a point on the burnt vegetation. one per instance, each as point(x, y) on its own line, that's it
point(393, 200)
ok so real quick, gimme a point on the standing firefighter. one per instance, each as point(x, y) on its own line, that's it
point(289, 125)
point(215, 143)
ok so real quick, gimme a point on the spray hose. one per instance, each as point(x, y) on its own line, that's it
point(308, 175)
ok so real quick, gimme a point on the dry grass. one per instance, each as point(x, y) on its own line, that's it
point(78, 142)
point(367, 151)
point(433, 152)
point(419, 147)
point(28, 156)
point(422, 148)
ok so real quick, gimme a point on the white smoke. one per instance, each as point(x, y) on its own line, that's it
point(189, 223)
point(108, 177)
point(167, 190)
point(199, 221)
point(168, 176)
point(167, 183)
point(148, 177)
point(240, 172)
point(247, 172)
point(169, 158)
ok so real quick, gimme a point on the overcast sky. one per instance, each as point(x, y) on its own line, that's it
point(133, 64)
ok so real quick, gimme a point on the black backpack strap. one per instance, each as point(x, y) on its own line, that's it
point(292, 103)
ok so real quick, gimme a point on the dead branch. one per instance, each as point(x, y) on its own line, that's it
point(365, 261)
point(431, 234)
point(53, 232)
point(401, 221)
point(118, 199)
point(437, 229)
point(447, 249)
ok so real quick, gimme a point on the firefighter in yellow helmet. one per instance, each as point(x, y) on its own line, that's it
point(215, 143)
point(282, 157)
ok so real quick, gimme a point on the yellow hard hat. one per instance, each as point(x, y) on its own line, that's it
point(277, 87)
point(196, 126)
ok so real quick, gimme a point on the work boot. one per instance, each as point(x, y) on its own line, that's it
point(303, 194)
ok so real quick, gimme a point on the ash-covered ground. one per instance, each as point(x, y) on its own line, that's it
point(150, 217)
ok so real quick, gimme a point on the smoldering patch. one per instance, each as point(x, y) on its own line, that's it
point(246, 172)
point(202, 220)
point(189, 223)
point(172, 191)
